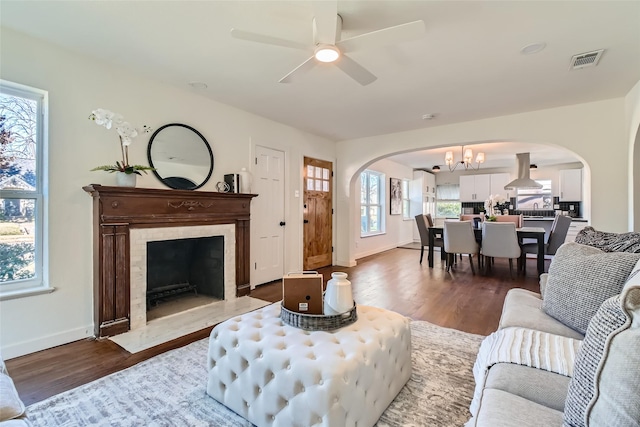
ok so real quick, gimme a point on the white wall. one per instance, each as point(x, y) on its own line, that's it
point(594, 131)
point(76, 86)
point(397, 231)
point(632, 116)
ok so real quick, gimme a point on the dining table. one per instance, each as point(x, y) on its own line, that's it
point(536, 233)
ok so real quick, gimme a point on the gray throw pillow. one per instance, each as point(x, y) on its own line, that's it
point(580, 279)
point(605, 387)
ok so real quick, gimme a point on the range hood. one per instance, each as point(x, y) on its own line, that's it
point(523, 180)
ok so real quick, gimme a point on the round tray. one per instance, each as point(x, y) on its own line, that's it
point(318, 322)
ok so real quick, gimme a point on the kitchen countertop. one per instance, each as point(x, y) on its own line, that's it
point(550, 218)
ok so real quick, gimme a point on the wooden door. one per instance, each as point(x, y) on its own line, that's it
point(268, 218)
point(318, 213)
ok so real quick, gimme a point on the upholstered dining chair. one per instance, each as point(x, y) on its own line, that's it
point(518, 220)
point(470, 217)
point(424, 221)
point(499, 240)
point(557, 236)
point(459, 238)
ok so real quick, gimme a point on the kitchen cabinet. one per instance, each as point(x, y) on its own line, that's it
point(478, 188)
point(571, 185)
point(475, 188)
point(422, 197)
point(498, 181)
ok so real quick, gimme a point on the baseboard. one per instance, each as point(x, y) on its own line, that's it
point(43, 343)
point(346, 263)
point(376, 251)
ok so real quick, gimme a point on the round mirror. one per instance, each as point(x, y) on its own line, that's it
point(181, 156)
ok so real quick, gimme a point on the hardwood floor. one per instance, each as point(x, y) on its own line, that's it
point(393, 280)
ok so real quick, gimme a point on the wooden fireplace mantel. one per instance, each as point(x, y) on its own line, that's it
point(118, 209)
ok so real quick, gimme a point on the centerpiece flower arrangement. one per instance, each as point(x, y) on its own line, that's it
point(126, 133)
point(496, 201)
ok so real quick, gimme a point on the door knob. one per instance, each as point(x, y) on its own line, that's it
point(306, 221)
point(282, 223)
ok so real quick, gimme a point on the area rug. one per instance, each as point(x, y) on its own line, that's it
point(169, 390)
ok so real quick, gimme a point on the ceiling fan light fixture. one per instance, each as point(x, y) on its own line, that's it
point(327, 53)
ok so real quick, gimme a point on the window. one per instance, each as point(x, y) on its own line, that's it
point(405, 199)
point(22, 214)
point(372, 197)
point(448, 201)
point(535, 199)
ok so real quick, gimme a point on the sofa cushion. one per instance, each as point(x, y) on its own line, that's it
point(537, 385)
point(605, 388)
point(10, 404)
point(523, 309)
point(580, 279)
point(502, 409)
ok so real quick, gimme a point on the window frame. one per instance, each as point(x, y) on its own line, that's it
point(40, 283)
point(439, 200)
point(380, 205)
point(406, 201)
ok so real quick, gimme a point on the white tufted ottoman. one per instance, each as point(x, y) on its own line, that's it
point(273, 374)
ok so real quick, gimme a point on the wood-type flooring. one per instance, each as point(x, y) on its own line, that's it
point(394, 280)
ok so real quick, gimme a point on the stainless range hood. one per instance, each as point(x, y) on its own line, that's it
point(523, 180)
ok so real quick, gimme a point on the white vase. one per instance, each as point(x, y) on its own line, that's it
point(339, 297)
point(126, 179)
point(245, 181)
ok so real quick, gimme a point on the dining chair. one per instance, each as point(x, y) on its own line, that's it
point(470, 217)
point(557, 236)
point(518, 220)
point(459, 238)
point(499, 240)
point(422, 221)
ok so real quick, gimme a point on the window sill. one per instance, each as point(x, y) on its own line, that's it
point(23, 293)
point(372, 235)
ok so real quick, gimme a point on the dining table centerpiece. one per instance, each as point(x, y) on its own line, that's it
point(125, 172)
point(495, 205)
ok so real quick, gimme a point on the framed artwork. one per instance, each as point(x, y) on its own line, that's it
point(396, 196)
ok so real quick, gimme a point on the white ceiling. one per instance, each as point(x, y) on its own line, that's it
point(467, 66)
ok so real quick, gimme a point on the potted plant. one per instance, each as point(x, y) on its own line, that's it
point(125, 172)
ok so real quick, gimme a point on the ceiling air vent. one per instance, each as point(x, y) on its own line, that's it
point(588, 59)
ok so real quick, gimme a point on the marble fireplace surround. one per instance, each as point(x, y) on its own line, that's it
point(139, 237)
point(122, 214)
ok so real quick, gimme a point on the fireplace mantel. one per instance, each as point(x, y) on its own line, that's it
point(118, 209)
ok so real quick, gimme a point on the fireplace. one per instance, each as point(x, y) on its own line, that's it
point(179, 266)
point(197, 236)
point(126, 220)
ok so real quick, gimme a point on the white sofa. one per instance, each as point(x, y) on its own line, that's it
point(12, 410)
point(524, 391)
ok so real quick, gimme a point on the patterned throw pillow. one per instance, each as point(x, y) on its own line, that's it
point(580, 279)
point(609, 242)
point(605, 387)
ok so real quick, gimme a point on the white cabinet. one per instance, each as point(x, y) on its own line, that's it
point(498, 181)
point(475, 188)
point(478, 188)
point(422, 197)
point(571, 185)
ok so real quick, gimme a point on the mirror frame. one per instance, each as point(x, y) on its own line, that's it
point(164, 180)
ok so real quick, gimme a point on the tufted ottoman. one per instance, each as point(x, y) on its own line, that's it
point(273, 374)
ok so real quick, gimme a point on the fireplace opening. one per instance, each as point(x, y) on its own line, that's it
point(187, 270)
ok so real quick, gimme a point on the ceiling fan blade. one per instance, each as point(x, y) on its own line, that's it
point(300, 69)
point(325, 22)
point(354, 70)
point(386, 36)
point(262, 38)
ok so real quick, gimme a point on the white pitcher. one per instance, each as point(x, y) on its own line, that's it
point(338, 298)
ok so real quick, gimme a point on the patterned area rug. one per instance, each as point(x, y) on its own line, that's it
point(169, 390)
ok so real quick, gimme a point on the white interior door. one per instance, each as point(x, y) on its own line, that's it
point(268, 216)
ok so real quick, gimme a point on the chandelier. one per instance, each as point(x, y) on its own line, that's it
point(467, 160)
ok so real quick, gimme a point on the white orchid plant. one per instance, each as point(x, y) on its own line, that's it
point(126, 133)
point(495, 201)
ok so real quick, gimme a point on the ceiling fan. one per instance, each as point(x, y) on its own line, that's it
point(330, 48)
